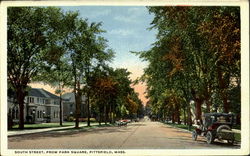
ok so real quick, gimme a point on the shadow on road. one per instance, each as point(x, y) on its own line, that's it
point(137, 124)
point(72, 132)
point(182, 135)
point(221, 144)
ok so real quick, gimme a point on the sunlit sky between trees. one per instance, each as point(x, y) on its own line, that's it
point(126, 30)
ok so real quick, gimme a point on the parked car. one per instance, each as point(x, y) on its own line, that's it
point(121, 123)
point(215, 126)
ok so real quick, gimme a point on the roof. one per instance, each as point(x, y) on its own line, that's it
point(39, 92)
point(70, 97)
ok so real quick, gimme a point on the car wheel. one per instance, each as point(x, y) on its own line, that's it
point(194, 135)
point(223, 127)
point(210, 137)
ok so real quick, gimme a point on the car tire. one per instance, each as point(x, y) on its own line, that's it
point(194, 135)
point(209, 137)
point(222, 127)
point(230, 139)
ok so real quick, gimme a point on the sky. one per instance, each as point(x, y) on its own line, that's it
point(126, 30)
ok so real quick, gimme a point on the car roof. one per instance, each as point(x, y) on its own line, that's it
point(217, 114)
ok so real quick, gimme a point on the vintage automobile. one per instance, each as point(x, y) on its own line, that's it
point(215, 126)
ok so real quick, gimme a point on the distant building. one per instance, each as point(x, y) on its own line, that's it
point(39, 106)
point(69, 106)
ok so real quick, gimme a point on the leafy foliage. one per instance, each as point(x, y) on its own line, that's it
point(196, 57)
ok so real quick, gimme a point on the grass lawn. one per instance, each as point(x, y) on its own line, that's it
point(237, 137)
point(43, 125)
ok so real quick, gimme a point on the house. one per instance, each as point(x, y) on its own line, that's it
point(39, 106)
point(69, 106)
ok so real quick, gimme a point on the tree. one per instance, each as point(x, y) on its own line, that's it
point(88, 51)
point(58, 77)
point(32, 33)
point(222, 31)
point(190, 59)
point(113, 94)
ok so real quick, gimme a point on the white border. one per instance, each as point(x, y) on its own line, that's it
point(244, 150)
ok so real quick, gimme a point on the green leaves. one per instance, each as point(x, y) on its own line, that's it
point(184, 61)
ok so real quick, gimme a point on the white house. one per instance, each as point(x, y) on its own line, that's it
point(39, 106)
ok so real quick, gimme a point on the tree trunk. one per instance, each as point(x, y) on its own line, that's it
point(78, 104)
point(87, 73)
point(208, 106)
point(198, 103)
point(185, 116)
point(173, 119)
point(178, 115)
point(225, 104)
point(222, 90)
point(20, 97)
point(105, 114)
point(100, 114)
point(189, 116)
point(60, 108)
point(110, 114)
point(207, 99)
point(27, 112)
point(88, 111)
point(77, 112)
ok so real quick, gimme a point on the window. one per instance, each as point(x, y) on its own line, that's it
point(31, 100)
point(37, 114)
point(54, 114)
point(56, 102)
point(47, 101)
point(37, 100)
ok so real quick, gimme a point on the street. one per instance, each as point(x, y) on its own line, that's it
point(137, 135)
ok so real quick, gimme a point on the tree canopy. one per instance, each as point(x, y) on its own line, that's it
point(60, 48)
point(196, 58)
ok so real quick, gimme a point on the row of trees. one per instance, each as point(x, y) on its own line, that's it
point(64, 50)
point(196, 58)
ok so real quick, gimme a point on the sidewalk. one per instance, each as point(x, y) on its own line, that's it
point(31, 131)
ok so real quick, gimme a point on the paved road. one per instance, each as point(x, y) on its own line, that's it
point(139, 135)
